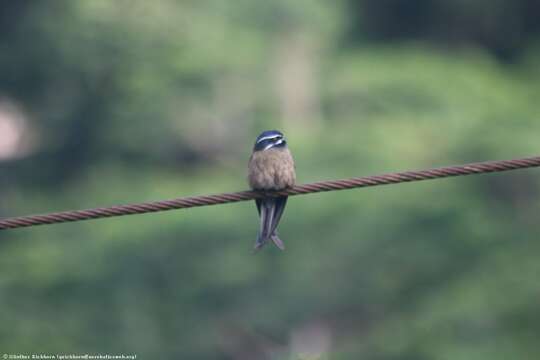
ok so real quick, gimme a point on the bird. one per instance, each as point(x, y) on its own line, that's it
point(270, 168)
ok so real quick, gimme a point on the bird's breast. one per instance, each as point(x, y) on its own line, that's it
point(271, 169)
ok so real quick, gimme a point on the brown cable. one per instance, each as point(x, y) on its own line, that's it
point(331, 185)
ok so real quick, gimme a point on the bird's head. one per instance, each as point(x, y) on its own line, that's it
point(269, 139)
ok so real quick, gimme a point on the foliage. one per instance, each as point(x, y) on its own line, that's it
point(127, 101)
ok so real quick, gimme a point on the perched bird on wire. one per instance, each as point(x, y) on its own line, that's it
point(271, 167)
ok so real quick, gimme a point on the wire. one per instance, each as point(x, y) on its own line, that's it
point(331, 185)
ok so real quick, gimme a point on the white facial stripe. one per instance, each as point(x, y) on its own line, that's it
point(271, 145)
point(268, 138)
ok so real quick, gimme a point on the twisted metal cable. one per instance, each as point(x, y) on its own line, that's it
point(331, 185)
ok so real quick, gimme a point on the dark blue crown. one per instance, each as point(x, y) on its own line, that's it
point(269, 134)
point(268, 138)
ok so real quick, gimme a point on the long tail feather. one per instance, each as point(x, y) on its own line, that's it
point(263, 213)
point(277, 241)
point(279, 208)
point(267, 219)
point(270, 211)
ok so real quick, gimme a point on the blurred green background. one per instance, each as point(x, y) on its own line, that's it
point(109, 102)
